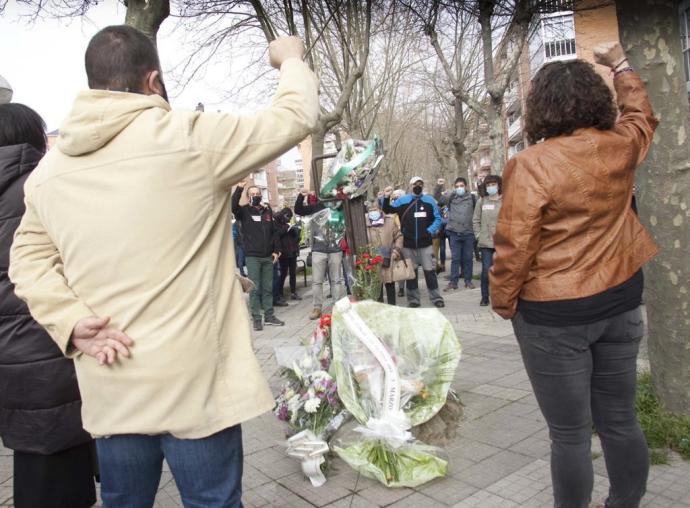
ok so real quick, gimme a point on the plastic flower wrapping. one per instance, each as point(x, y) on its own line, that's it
point(393, 367)
point(388, 367)
point(353, 168)
point(328, 226)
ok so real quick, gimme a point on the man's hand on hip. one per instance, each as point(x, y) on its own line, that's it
point(92, 337)
point(283, 48)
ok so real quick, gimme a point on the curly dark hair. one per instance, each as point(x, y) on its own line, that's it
point(565, 96)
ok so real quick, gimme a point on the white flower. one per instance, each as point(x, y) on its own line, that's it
point(320, 374)
point(306, 363)
point(312, 405)
point(293, 407)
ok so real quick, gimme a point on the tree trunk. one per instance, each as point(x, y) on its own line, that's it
point(497, 137)
point(650, 34)
point(147, 15)
point(495, 106)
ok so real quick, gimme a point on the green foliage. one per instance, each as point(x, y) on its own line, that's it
point(663, 430)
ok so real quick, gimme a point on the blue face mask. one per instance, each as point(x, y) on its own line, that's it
point(460, 191)
point(376, 215)
point(492, 191)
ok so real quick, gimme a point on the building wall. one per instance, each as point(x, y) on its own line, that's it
point(594, 26)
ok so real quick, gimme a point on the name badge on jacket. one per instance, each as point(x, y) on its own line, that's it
point(488, 207)
point(256, 218)
point(420, 214)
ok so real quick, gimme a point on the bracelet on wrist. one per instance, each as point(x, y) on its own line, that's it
point(624, 69)
point(622, 64)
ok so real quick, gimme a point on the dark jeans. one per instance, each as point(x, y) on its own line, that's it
point(586, 374)
point(240, 259)
point(487, 262)
point(462, 250)
point(288, 266)
point(207, 471)
point(277, 288)
point(260, 271)
point(442, 249)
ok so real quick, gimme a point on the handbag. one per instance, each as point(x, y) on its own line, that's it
point(402, 269)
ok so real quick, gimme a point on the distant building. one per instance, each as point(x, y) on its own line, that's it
point(52, 138)
point(305, 150)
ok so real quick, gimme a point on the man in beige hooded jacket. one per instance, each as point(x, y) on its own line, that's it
point(125, 256)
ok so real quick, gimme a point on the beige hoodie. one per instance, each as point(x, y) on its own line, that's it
point(129, 217)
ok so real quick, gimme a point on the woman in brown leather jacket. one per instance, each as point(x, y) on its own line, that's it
point(567, 271)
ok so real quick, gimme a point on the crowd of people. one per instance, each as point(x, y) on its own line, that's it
point(125, 333)
point(415, 226)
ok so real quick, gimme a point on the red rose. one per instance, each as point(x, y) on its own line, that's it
point(366, 255)
point(377, 260)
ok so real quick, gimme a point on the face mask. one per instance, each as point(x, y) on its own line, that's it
point(256, 200)
point(375, 215)
point(417, 189)
point(460, 191)
point(492, 191)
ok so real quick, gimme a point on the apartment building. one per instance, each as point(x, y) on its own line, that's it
point(558, 35)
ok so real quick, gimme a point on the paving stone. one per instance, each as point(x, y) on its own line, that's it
point(499, 459)
point(493, 468)
point(448, 491)
point(319, 496)
point(484, 499)
point(417, 500)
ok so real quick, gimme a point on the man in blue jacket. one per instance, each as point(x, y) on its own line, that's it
point(420, 221)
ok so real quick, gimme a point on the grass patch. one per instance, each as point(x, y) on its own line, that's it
point(663, 430)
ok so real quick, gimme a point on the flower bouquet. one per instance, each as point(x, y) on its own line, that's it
point(353, 168)
point(393, 368)
point(308, 400)
point(367, 284)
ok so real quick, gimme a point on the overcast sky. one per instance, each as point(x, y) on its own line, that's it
point(44, 62)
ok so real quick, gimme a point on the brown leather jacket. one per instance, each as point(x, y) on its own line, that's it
point(566, 229)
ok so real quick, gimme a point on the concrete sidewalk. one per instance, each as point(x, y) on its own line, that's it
point(500, 458)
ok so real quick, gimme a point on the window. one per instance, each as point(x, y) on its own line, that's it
point(553, 38)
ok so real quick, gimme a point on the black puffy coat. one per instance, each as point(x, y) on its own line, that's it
point(40, 405)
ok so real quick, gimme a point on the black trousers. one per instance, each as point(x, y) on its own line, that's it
point(390, 293)
point(584, 374)
point(61, 480)
point(288, 266)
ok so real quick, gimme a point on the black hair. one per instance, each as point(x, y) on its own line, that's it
point(20, 124)
point(118, 58)
point(460, 179)
point(494, 179)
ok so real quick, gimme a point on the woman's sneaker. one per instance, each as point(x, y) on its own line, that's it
point(257, 325)
point(295, 296)
point(273, 321)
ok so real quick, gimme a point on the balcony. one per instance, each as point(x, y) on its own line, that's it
point(512, 100)
point(515, 130)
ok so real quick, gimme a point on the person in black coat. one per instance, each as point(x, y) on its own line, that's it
point(289, 244)
point(40, 404)
point(262, 250)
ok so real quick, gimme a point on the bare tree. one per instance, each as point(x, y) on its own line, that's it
point(144, 15)
point(650, 33)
